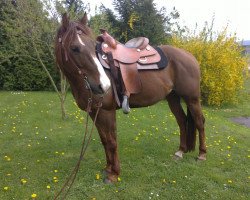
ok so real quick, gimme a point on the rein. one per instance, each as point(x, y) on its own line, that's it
point(86, 140)
point(87, 134)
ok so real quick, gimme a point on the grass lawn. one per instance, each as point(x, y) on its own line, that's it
point(39, 150)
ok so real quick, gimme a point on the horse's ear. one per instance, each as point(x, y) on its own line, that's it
point(65, 20)
point(84, 19)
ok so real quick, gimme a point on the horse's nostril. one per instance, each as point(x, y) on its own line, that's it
point(101, 89)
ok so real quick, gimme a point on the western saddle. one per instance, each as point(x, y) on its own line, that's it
point(128, 57)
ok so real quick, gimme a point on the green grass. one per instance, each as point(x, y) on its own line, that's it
point(35, 142)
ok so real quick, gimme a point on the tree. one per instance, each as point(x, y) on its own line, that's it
point(22, 24)
point(75, 8)
point(140, 18)
point(221, 61)
point(30, 64)
point(100, 20)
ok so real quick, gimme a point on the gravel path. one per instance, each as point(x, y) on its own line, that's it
point(242, 120)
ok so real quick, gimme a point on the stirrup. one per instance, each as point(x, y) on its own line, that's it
point(125, 105)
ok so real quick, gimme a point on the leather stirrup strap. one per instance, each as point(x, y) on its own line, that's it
point(114, 77)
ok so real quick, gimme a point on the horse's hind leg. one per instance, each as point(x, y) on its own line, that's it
point(106, 126)
point(176, 108)
point(194, 107)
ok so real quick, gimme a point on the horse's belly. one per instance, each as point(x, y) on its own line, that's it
point(149, 95)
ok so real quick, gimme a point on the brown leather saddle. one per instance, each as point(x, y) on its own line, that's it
point(129, 57)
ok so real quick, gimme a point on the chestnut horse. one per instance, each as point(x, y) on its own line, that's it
point(76, 56)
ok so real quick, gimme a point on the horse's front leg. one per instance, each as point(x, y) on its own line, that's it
point(106, 126)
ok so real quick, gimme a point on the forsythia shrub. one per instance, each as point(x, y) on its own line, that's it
point(222, 66)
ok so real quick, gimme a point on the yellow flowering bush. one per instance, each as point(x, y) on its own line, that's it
point(222, 65)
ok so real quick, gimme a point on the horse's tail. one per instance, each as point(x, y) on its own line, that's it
point(191, 132)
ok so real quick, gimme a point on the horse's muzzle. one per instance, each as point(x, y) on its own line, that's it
point(99, 89)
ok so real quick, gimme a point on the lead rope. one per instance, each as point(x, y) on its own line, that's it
point(86, 140)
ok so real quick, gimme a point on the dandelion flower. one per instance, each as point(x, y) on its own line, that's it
point(33, 195)
point(7, 158)
point(230, 181)
point(6, 188)
point(55, 179)
point(23, 181)
point(48, 187)
point(97, 176)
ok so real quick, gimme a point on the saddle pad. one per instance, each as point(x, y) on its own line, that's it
point(164, 60)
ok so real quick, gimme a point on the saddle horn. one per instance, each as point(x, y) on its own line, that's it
point(105, 37)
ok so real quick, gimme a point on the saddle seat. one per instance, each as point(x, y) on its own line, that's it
point(138, 43)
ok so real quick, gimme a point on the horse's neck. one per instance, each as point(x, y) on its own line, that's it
point(80, 93)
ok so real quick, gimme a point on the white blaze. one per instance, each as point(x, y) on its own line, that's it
point(80, 40)
point(105, 82)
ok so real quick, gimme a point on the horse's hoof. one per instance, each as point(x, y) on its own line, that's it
point(107, 181)
point(110, 179)
point(202, 157)
point(178, 155)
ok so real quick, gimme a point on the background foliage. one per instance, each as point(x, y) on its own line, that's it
point(27, 43)
point(222, 65)
point(26, 33)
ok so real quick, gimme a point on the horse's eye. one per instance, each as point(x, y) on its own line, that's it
point(75, 49)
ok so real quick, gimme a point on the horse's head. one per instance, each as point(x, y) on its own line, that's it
point(76, 54)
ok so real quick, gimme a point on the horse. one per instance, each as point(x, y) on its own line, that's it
point(75, 50)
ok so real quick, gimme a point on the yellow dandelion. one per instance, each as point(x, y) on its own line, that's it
point(97, 176)
point(23, 181)
point(33, 195)
point(6, 188)
point(48, 186)
point(55, 170)
point(7, 158)
point(119, 179)
point(230, 181)
point(174, 181)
